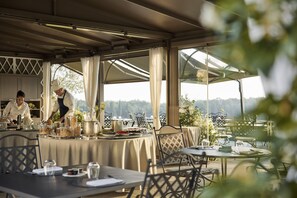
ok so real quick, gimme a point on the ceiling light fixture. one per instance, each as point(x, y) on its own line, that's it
point(100, 30)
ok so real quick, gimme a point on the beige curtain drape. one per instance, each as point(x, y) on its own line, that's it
point(46, 94)
point(90, 67)
point(156, 63)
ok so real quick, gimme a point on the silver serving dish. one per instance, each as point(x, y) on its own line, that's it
point(3, 125)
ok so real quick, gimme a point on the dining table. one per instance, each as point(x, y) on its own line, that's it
point(60, 186)
point(215, 152)
point(122, 152)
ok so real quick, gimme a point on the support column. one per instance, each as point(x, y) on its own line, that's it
point(172, 84)
point(100, 92)
point(242, 109)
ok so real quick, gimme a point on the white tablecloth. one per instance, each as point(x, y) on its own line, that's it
point(122, 153)
point(192, 135)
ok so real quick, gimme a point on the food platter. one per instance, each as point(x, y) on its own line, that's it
point(68, 137)
point(116, 136)
point(77, 175)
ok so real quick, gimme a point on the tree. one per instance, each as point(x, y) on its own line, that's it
point(73, 81)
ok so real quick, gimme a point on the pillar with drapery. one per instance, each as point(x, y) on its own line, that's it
point(46, 94)
point(155, 64)
point(90, 68)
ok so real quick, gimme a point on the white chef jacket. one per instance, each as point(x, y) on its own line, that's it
point(68, 102)
point(12, 110)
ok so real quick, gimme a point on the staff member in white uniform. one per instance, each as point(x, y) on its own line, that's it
point(17, 107)
point(64, 102)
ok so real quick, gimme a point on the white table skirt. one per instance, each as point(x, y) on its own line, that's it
point(121, 153)
point(192, 135)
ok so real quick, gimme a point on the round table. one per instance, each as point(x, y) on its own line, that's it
point(214, 152)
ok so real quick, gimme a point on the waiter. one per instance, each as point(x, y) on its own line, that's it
point(64, 102)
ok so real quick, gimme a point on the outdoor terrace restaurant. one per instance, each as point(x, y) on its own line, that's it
point(60, 136)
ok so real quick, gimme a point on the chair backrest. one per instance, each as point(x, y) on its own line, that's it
point(107, 119)
point(22, 155)
point(243, 129)
point(141, 120)
point(179, 183)
point(169, 139)
point(218, 119)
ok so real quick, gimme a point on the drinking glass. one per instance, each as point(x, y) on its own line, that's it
point(205, 143)
point(93, 170)
point(239, 143)
point(48, 166)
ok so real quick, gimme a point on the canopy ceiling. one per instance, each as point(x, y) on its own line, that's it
point(65, 30)
point(192, 63)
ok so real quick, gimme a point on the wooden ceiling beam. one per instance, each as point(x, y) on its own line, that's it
point(167, 13)
point(15, 28)
point(46, 19)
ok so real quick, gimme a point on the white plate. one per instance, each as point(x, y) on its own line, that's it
point(78, 175)
point(108, 135)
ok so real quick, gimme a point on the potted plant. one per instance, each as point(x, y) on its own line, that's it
point(189, 115)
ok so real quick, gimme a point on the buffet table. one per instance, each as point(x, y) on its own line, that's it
point(130, 153)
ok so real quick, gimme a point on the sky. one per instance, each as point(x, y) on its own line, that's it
point(130, 91)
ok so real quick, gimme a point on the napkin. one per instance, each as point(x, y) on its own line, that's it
point(56, 169)
point(104, 182)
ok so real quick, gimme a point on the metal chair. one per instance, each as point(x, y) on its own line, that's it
point(20, 156)
point(141, 120)
point(244, 131)
point(107, 119)
point(170, 140)
point(179, 183)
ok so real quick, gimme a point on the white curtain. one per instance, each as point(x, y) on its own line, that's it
point(156, 63)
point(90, 67)
point(46, 94)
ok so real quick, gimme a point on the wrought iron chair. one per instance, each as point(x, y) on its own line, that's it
point(259, 167)
point(107, 119)
point(244, 131)
point(18, 154)
point(133, 119)
point(141, 120)
point(179, 183)
point(170, 140)
point(21, 156)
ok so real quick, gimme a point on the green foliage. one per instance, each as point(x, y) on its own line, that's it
point(123, 108)
point(259, 33)
point(56, 117)
point(79, 115)
point(189, 115)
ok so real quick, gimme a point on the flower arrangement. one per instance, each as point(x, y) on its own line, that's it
point(189, 115)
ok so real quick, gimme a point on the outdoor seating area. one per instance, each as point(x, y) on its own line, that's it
point(126, 98)
point(171, 159)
